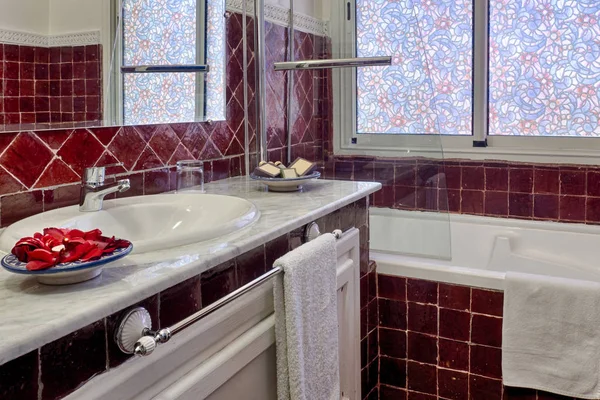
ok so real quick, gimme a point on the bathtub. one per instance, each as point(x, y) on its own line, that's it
point(478, 251)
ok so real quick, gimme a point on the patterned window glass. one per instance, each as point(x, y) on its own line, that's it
point(163, 32)
point(544, 67)
point(428, 89)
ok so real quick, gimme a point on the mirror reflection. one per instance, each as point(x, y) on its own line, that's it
point(63, 63)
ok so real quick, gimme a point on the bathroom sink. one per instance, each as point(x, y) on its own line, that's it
point(151, 222)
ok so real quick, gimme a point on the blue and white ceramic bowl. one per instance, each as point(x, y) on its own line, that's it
point(67, 273)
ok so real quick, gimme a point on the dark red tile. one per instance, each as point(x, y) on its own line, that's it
point(551, 396)
point(364, 352)
point(422, 348)
point(496, 179)
point(391, 287)
point(453, 385)
point(373, 347)
point(363, 171)
point(593, 183)
point(513, 393)
point(472, 202)
point(481, 388)
point(364, 322)
point(455, 324)
point(521, 180)
point(115, 356)
point(422, 291)
point(62, 196)
point(69, 362)
point(384, 197)
point(275, 249)
point(57, 173)
point(420, 396)
point(250, 265)
point(19, 378)
point(572, 208)
point(26, 158)
point(487, 302)
point(148, 160)
point(546, 180)
point(8, 184)
point(520, 205)
point(453, 354)
point(372, 282)
point(545, 206)
point(405, 175)
point(220, 169)
point(392, 314)
point(473, 178)
point(156, 181)
point(343, 170)
point(405, 197)
point(373, 315)
point(486, 330)
point(573, 181)
point(422, 318)
point(592, 209)
point(392, 372)
point(391, 393)
point(452, 176)
point(180, 301)
point(392, 343)
point(127, 146)
point(218, 282)
point(384, 172)
point(81, 150)
point(496, 203)
point(454, 296)
point(18, 206)
point(421, 377)
point(486, 361)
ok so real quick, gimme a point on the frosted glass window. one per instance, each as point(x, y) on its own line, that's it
point(428, 89)
point(544, 67)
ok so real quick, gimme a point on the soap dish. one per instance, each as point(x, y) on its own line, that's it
point(285, 185)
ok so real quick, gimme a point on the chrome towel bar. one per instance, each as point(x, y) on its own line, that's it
point(159, 69)
point(335, 63)
point(138, 320)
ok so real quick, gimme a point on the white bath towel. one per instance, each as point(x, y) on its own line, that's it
point(306, 322)
point(551, 335)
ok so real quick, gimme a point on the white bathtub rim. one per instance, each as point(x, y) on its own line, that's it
point(437, 271)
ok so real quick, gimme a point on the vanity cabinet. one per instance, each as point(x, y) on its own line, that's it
point(230, 354)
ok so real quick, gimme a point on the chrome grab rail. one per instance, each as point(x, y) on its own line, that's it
point(156, 69)
point(335, 63)
point(138, 320)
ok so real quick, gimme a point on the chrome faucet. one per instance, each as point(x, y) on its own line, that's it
point(93, 189)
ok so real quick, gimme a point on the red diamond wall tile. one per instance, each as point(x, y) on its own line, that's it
point(127, 146)
point(26, 158)
point(209, 152)
point(194, 139)
point(57, 173)
point(181, 153)
point(148, 160)
point(109, 159)
point(81, 150)
point(105, 135)
point(164, 142)
point(8, 184)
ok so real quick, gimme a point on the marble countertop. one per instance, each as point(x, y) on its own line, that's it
point(33, 315)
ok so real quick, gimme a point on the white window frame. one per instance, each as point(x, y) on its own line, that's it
point(562, 150)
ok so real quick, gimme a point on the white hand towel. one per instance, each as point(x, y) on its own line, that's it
point(551, 335)
point(306, 322)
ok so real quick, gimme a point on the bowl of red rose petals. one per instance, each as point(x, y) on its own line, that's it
point(60, 256)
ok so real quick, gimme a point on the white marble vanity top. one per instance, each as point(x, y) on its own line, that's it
point(33, 315)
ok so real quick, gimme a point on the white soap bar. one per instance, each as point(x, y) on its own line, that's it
point(268, 170)
point(288, 173)
point(303, 166)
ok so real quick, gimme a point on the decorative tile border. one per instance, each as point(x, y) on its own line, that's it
point(33, 39)
point(281, 16)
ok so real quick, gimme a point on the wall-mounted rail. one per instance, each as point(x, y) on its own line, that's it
point(160, 69)
point(139, 320)
point(335, 63)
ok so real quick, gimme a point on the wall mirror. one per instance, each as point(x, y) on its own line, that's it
point(86, 63)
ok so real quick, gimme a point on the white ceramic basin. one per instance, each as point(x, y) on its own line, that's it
point(150, 222)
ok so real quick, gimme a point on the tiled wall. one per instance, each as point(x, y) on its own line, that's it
point(41, 170)
point(441, 341)
point(49, 87)
point(60, 367)
point(547, 192)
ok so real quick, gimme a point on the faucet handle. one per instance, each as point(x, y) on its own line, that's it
point(96, 174)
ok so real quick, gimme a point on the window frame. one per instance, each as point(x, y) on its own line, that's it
point(479, 146)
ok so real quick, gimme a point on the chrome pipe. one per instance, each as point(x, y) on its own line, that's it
point(336, 63)
point(245, 77)
point(290, 94)
point(159, 69)
point(261, 79)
